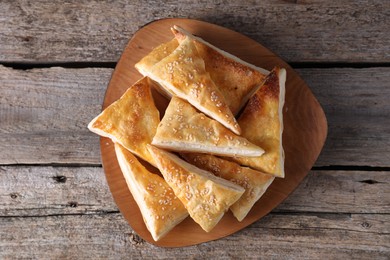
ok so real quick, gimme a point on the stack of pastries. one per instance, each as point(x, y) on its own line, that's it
point(218, 145)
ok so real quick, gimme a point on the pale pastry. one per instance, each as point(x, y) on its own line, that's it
point(205, 196)
point(160, 208)
point(262, 124)
point(236, 79)
point(183, 73)
point(183, 128)
point(130, 121)
point(254, 182)
point(156, 55)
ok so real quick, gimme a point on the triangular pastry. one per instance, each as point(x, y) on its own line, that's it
point(236, 79)
point(156, 55)
point(183, 128)
point(262, 124)
point(130, 121)
point(183, 73)
point(254, 182)
point(160, 208)
point(205, 196)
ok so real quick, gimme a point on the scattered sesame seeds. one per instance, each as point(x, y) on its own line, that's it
point(214, 96)
point(212, 200)
point(205, 191)
point(150, 187)
point(188, 195)
point(229, 137)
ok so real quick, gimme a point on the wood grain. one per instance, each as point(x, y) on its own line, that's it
point(42, 191)
point(298, 31)
point(357, 109)
point(39, 126)
point(68, 212)
point(44, 114)
point(313, 236)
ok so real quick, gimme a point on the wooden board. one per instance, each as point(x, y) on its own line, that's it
point(304, 123)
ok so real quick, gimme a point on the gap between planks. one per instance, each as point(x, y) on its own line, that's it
point(346, 168)
point(328, 215)
point(112, 65)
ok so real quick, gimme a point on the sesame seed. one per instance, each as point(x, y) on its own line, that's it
point(205, 191)
point(214, 96)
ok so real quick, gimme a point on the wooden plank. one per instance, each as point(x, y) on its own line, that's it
point(40, 191)
point(318, 236)
point(44, 114)
point(357, 107)
point(298, 31)
point(43, 191)
point(342, 192)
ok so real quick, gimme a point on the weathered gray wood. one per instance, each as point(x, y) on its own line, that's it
point(44, 114)
point(342, 192)
point(357, 107)
point(43, 191)
point(299, 31)
point(317, 236)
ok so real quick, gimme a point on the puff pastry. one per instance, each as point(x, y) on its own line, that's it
point(156, 55)
point(205, 196)
point(130, 121)
point(262, 124)
point(254, 182)
point(236, 79)
point(183, 128)
point(160, 208)
point(183, 74)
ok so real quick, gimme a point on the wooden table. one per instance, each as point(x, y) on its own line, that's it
point(56, 60)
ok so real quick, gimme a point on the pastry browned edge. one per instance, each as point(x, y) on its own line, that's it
point(160, 208)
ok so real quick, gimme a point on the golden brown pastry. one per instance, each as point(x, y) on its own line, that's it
point(254, 182)
point(205, 196)
point(262, 124)
point(130, 121)
point(156, 55)
point(183, 73)
point(236, 79)
point(183, 128)
point(160, 208)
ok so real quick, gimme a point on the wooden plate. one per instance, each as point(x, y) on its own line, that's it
point(305, 127)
